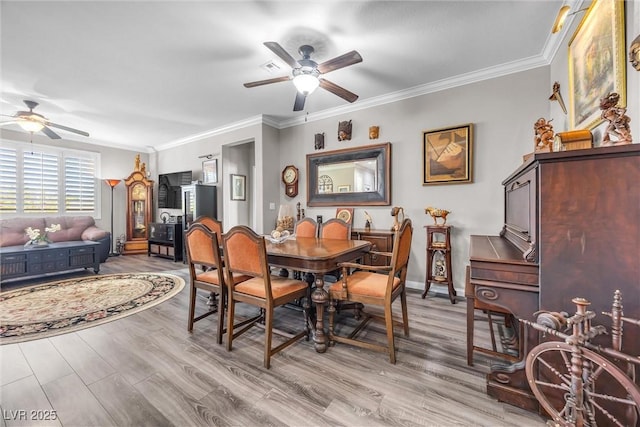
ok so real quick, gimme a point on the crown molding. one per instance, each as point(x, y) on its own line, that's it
point(544, 59)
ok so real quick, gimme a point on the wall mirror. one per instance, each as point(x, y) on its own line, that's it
point(358, 176)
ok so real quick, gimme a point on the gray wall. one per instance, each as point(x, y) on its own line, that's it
point(502, 110)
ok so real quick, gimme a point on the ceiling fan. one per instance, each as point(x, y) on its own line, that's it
point(34, 122)
point(306, 73)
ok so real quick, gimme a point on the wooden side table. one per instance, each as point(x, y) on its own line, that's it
point(439, 259)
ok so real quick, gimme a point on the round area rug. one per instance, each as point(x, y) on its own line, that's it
point(69, 305)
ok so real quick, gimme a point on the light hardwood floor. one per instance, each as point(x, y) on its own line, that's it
point(146, 369)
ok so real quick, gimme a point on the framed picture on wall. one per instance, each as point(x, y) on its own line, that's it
point(238, 187)
point(596, 62)
point(448, 155)
point(210, 171)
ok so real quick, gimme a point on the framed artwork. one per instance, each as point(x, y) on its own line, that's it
point(448, 155)
point(210, 171)
point(344, 188)
point(345, 214)
point(596, 62)
point(238, 187)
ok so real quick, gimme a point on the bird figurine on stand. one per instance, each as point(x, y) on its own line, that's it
point(368, 221)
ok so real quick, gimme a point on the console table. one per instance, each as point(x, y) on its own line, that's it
point(23, 261)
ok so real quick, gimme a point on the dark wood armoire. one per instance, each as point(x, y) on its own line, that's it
point(572, 229)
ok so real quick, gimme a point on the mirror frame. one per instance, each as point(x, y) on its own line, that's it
point(380, 197)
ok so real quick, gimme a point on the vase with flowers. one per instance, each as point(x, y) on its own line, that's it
point(40, 240)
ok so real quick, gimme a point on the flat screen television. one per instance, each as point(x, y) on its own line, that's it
point(169, 189)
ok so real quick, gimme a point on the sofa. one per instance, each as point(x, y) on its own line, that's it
point(12, 231)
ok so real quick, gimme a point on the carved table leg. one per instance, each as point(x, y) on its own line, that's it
point(320, 297)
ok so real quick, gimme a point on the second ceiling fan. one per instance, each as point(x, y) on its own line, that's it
point(306, 74)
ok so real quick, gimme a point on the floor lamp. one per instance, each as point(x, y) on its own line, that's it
point(112, 183)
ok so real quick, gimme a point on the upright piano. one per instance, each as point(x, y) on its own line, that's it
point(571, 229)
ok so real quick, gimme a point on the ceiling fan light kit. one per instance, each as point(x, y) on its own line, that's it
point(306, 73)
point(305, 83)
point(34, 122)
point(30, 125)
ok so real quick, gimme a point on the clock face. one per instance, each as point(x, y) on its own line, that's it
point(290, 175)
point(139, 192)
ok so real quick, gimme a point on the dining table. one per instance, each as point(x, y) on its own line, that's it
point(317, 256)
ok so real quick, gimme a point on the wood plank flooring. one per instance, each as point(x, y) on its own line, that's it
point(146, 369)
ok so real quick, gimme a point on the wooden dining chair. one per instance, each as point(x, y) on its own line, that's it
point(306, 227)
point(216, 226)
point(203, 249)
point(246, 254)
point(212, 224)
point(334, 228)
point(375, 286)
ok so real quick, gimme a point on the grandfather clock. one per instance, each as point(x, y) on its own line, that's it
point(139, 210)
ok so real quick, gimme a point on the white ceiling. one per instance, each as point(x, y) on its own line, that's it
point(142, 74)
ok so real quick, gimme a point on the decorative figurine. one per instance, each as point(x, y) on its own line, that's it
point(634, 53)
point(143, 169)
point(437, 213)
point(344, 131)
point(618, 121)
point(440, 271)
point(298, 213)
point(557, 96)
point(396, 211)
point(136, 166)
point(368, 221)
point(319, 141)
point(374, 131)
point(544, 135)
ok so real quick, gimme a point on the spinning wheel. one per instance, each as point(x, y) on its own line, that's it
point(601, 386)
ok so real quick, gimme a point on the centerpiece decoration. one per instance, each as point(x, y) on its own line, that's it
point(40, 240)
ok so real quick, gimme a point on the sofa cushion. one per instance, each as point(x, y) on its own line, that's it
point(12, 230)
point(71, 227)
point(94, 233)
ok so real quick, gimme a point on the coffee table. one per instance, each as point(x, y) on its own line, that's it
point(24, 261)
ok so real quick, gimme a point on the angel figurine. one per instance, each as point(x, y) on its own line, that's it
point(544, 134)
point(618, 121)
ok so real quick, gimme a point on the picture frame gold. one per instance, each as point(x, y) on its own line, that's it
point(210, 171)
point(448, 155)
point(596, 62)
point(238, 187)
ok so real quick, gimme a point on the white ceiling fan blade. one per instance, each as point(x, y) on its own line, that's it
point(9, 123)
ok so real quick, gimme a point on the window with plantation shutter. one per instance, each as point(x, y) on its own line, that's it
point(47, 180)
point(40, 182)
point(8, 180)
point(79, 184)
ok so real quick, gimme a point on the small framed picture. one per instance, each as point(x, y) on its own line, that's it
point(448, 155)
point(210, 171)
point(344, 188)
point(238, 187)
point(345, 214)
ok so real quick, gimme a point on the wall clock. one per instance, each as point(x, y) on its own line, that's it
point(290, 178)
